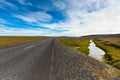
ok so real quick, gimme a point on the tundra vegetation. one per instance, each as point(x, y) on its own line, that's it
point(110, 44)
point(6, 41)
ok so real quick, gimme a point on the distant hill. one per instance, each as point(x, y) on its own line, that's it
point(103, 35)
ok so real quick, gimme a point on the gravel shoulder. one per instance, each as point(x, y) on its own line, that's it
point(71, 65)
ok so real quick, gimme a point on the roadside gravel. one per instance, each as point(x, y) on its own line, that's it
point(68, 64)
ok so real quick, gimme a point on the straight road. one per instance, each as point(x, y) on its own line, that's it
point(50, 60)
point(30, 61)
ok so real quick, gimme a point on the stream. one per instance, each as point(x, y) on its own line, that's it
point(95, 51)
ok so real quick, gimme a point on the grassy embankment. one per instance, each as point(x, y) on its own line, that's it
point(10, 40)
point(111, 45)
point(80, 44)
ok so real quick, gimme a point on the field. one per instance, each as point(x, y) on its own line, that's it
point(79, 44)
point(10, 40)
point(110, 44)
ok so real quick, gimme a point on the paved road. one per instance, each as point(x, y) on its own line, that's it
point(30, 61)
point(50, 60)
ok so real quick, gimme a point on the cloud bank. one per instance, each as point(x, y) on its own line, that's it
point(64, 18)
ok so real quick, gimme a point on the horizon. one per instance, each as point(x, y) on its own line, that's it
point(60, 36)
point(59, 18)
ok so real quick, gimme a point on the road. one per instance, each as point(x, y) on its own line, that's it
point(49, 60)
point(30, 61)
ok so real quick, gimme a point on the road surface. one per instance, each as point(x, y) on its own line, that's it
point(48, 60)
point(30, 61)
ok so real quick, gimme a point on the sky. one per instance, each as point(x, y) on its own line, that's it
point(59, 17)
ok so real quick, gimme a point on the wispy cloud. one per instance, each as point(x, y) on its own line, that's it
point(103, 19)
point(2, 21)
point(35, 17)
point(81, 17)
point(4, 30)
point(59, 4)
point(24, 2)
point(7, 4)
point(25, 18)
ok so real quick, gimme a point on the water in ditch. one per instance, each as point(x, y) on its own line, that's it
point(95, 51)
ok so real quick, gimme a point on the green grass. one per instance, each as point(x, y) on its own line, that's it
point(80, 44)
point(83, 44)
point(111, 45)
point(12, 40)
point(112, 55)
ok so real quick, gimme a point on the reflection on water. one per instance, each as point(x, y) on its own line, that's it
point(95, 52)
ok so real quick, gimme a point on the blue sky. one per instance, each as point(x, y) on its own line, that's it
point(59, 17)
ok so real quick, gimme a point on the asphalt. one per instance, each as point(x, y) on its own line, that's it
point(49, 60)
point(30, 61)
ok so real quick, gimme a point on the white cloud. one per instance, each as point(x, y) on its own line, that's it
point(59, 4)
point(2, 20)
point(35, 17)
point(4, 3)
point(23, 2)
point(84, 17)
point(104, 20)
point(27, 19)
point(24, 32)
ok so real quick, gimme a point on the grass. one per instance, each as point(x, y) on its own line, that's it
point(111, 46)
point(12, 40)
point(80, 44)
